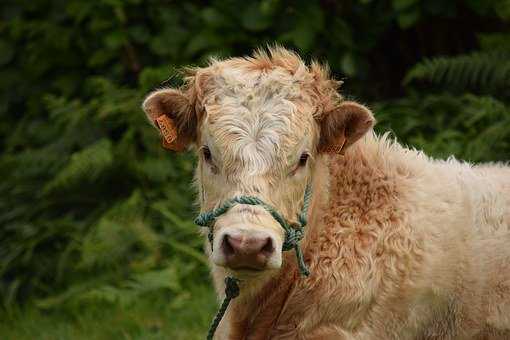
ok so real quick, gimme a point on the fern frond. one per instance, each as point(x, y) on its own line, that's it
point(106, 245)
point(120, 228)
point(479, 70)
point(85, 165)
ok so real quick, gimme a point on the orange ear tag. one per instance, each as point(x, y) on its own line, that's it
point(168, 131)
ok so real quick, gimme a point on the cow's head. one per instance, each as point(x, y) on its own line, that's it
point(259, 125)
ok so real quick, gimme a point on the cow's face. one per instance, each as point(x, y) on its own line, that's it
point(258, 138)
point(259, 125)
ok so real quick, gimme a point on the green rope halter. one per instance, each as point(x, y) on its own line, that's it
point(294, 232)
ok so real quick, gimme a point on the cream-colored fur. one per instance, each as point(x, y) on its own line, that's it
point(400, 246)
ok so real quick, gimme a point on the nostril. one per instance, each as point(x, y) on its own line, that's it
point(268, 248)
point(227, 246)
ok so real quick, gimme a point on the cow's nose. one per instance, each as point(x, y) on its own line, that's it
point(247, 252)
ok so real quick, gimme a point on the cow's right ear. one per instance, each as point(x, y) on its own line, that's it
point(343, 126)
point(172, 113)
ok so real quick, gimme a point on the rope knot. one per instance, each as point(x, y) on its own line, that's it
point(292, 238)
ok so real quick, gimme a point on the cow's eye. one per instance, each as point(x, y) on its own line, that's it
point(303, 159)
point(206, 152)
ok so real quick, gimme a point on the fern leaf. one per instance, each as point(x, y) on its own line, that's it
point(479, 70)
point(85, 165)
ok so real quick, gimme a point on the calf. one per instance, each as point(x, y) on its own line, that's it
point(399, 246)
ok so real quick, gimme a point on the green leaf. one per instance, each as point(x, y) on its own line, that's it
point(482, 70)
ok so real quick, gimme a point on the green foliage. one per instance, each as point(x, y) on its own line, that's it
point(487, 71)
point(94, 213)
point(470, 127)
point(451, 121)
point(155, 317)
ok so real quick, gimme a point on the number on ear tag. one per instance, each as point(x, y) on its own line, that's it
point(168, 129)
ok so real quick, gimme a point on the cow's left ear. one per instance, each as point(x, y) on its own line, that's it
point(171, 112)
point(343, 126)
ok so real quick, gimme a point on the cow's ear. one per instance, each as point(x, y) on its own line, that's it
point(343, 126)
point(171, 112)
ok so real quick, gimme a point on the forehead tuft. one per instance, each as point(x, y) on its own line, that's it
point(284, 67)
point(279, 73)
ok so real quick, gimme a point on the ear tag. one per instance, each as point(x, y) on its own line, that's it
point(169, 132)
point(167, 128)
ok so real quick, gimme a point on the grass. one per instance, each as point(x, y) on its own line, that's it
point(151, 317)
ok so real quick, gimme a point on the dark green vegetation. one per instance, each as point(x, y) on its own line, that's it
point(96, 239)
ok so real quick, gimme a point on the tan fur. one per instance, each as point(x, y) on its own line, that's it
point(396, 256)
point(399, 246)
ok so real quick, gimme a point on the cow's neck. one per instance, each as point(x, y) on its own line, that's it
point(256, 311)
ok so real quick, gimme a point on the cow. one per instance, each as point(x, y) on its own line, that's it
point(398, 245)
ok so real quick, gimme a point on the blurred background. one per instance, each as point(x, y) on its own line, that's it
point(96, 238)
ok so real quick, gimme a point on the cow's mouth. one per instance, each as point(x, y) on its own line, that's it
point(247, 268)
point(247, 271)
